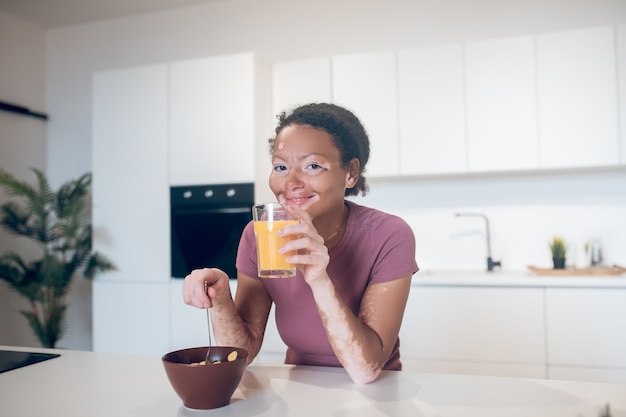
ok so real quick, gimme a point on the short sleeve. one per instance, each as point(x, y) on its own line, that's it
point(246, 252)
point(396, 257)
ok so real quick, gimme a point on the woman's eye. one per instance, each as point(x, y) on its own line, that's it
point(313, 166)
point(279, 168)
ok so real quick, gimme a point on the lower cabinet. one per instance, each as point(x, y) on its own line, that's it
point(189, 327)
point(273, 349)
point(152, 319)
point(477, 330)
point(535, 332)
point(530, 332)
point(131, 317)
point(593, 374)
point(586, 333)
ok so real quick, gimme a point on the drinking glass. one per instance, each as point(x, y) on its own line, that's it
point(268, 219)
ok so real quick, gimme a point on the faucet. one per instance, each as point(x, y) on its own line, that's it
point(490, 262)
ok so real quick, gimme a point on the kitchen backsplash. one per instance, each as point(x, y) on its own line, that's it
point(524, 211)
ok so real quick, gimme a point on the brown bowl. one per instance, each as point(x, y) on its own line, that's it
point(202, 387)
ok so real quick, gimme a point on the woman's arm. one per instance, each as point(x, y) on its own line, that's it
point(238, 323)
point(363, 344)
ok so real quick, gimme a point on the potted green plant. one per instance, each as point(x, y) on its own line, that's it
point(558, 249)
point(60, 226)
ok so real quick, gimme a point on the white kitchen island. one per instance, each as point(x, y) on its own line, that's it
point(79, 384)
point(516, 324)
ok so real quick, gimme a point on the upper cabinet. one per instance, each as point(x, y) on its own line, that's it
point(366, 84)
point(219, 114)
point(301, 82)
point(577, 88)
point(501, 105)
point(525, 103)
point(431, 109)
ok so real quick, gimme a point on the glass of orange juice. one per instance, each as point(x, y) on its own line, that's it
point(268, 219)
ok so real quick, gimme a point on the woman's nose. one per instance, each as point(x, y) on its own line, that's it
point(294, 178)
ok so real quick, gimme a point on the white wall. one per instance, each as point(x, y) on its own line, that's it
point(292, 29)
point(22, 143)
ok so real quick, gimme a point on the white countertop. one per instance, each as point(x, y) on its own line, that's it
point(102, 384)
point(514, 279)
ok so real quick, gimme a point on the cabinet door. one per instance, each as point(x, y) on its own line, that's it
point(475, 324)
point(501, 105)
point(577, 98)
point(131, 317)
point(621, 66)
point(586, 327)
point(301, 82)
point(273, 349)
point(431, 110)
point(584, 373)
point(366, 85)
point(188, 325)
point(130, 172)
point(212, 119)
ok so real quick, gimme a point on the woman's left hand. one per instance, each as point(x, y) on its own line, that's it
point(312, 255)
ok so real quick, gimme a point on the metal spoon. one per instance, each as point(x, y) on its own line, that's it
point(208, 320)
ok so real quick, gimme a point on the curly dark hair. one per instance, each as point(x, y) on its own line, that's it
point(342, 125)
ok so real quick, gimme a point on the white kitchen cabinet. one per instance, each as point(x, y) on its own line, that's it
point(131, 317)
point(501, 105)
point(577, 91)
point(301, 82)
point(188, 324)
point(605, 375)
point(485, 330)
point(621, 67)
point(188, 327)
point(431, 110)
point(585, 328)
point(273, 349)
point(130, 175)
point(219, 113)
point(474, 368)
point(366, 85)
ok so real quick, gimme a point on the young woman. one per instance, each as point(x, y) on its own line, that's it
point(344, 307)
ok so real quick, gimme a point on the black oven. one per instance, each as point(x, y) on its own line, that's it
point(206, 224)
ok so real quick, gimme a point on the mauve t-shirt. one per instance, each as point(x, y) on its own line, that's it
point(376, 247)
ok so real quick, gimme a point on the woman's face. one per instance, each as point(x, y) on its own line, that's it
point(307, 170)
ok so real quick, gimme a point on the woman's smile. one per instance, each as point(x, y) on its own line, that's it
point(299, 201)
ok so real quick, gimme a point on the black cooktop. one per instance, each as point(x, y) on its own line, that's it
point(10, 359)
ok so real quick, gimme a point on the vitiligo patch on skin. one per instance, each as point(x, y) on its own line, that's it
point(349, 351)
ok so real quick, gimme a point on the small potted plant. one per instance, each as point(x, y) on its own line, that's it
point(558, 248)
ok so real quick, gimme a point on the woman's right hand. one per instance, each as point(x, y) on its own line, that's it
point(194, 293)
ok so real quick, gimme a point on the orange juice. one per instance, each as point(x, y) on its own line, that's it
point(271, 263)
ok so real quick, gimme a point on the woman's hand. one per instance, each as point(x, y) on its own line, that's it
point(194, 292)
point(312, 255)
